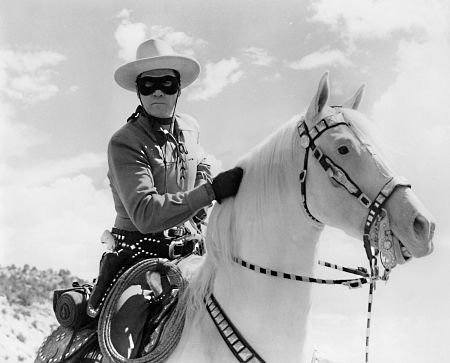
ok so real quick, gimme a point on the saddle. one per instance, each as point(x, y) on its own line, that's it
point(67, 345)
point(143, 319)
point(143, 302)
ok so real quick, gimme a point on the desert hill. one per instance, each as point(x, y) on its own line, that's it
point(26, 314)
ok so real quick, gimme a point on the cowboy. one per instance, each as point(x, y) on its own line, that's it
point(158, 175)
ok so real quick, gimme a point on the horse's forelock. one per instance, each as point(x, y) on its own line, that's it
point(367, 131)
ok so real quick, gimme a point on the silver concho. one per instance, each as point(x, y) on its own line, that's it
point(304, 141)
point(385, 242)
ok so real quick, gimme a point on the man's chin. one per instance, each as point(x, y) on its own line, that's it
point(159, 110)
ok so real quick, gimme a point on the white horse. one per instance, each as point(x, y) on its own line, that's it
point(275, 221)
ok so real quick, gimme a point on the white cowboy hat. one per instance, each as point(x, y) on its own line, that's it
point(156, 54)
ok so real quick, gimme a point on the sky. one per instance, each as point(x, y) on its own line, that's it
point(261, 63)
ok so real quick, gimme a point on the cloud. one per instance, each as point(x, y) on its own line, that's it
point(44, 203)
point(52, 206)
point(50, 170)
point(128, 36)
point(56, 225)
point(73, 89)
point(258, 56)
point(331, 57)
point(217, 77)
point(273, 77)
point(17, 137)
point(26, 75)
point(182, 42)
point(363, 19)
point(124, 14)
point(413, 112)
point(28, 61)
point(32, 88)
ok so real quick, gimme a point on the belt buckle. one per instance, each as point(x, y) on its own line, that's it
point(174, 232)
point(172, 246)
point(179, 232)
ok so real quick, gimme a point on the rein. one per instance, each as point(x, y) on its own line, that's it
point(377, 232)
point(241, 349)
point(377, 236)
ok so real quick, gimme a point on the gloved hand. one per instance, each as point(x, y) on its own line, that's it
point(226, 184)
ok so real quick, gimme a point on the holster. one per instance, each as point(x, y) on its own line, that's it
point(129, 249)
point(111, 265)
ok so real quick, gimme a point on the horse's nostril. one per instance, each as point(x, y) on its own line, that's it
point(422, 228)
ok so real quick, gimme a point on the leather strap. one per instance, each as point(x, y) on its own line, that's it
point(241, 349)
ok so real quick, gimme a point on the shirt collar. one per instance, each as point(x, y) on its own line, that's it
point(180, 124)
point(183, 125)
point(156, 133)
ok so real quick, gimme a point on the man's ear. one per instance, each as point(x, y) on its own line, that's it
point(137, 90)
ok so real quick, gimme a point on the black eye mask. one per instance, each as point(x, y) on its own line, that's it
point(167, 84)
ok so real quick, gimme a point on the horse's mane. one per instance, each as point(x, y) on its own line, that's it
point(268, 174)
point(264, 204)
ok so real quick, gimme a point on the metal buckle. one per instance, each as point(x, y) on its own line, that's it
point(364, 200)
point(173, 244)
point(353, 284)
point(174, 232)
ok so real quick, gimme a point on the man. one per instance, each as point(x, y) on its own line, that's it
point(158, 176)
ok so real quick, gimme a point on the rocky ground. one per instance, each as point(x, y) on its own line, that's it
point(22, 330)
point(26, 313)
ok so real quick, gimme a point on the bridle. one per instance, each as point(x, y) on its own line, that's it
point(377, 237)
point(376, 214)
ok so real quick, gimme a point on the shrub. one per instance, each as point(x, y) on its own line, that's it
point(27, 285)
point(21, 338)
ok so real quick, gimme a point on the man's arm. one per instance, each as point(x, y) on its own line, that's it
point(149, 211)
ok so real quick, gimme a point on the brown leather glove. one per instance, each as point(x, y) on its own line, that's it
point(226, 184)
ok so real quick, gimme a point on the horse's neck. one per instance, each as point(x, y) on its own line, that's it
point(271, 313)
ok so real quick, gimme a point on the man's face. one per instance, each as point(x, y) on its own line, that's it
point(158, 103)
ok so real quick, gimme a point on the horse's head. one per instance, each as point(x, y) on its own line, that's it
point(346, 176)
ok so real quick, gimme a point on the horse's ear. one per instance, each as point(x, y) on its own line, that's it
point(354, 101)
point(320, 99)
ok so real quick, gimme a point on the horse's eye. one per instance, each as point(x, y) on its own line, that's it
point(343, 150)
